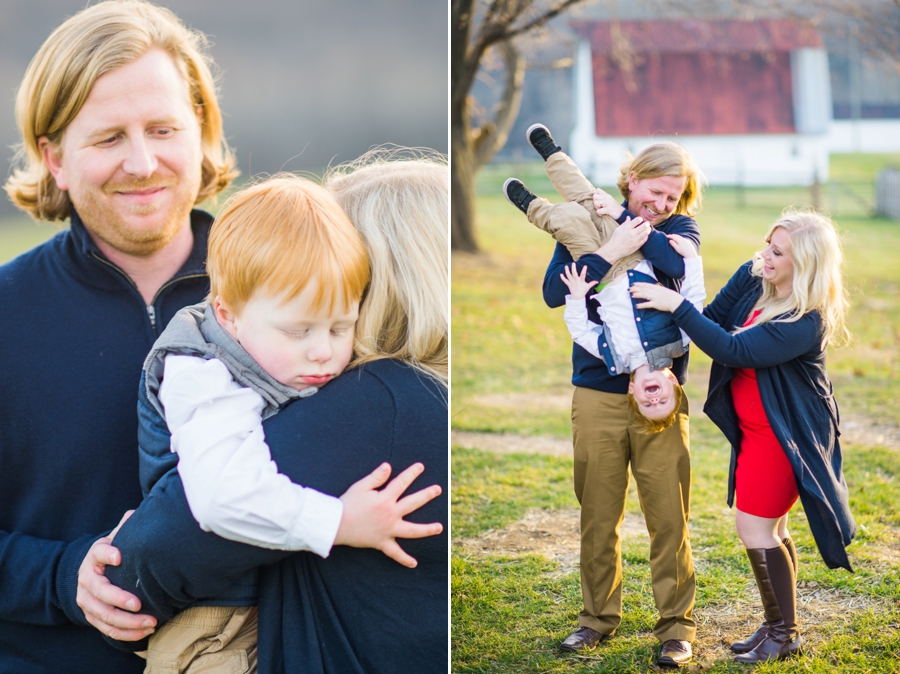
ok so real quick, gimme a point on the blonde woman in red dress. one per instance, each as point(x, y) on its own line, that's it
point(769, 393)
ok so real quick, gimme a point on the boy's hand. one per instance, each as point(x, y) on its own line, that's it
point(577, 283)
point(605, 204)
point(684, 247)
point(374, 519)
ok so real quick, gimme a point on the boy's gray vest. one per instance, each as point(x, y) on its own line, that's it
point(194, 331)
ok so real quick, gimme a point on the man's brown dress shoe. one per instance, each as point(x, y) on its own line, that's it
point(674, 653)
point(582, 639)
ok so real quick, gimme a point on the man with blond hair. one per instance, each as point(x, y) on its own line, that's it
point(122, 136)
point(662, 190)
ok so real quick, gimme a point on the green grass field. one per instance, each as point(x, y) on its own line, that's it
point(511, 367)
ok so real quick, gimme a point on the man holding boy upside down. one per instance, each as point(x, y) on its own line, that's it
point(662, 190)
point(122, 134)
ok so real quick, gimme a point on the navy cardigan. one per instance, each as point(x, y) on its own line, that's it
point(591, 372)
point(75, 332)
point(789, 359)
point(358, 610)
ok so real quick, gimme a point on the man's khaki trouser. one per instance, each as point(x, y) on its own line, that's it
point(206, 639)
point(575, 223)
point(606, 443)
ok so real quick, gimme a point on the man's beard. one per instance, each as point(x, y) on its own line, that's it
point(106, 223)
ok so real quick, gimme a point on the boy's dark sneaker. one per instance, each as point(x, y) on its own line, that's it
point(517, 194)
point(541, 140)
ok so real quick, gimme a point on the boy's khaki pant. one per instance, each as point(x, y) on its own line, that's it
point(575, 223)
point(606, 443)
point(201, 639)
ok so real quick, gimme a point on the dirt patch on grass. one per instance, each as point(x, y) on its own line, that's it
point(543, 401)
point(855, 429)
point(858, 430)
point(556, 536)
point(507, 443)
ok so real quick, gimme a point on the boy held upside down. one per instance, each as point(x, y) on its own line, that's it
point(629, 340)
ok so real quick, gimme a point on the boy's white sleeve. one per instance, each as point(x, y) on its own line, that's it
point(693, 288)
point(580, 326)
point(232, 485)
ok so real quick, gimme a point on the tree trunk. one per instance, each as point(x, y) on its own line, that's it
point(471, 150)
point(462, 186)
point(495, 23)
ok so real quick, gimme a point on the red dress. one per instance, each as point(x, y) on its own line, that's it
point(764, 479)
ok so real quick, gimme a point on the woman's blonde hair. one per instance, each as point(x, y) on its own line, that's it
point(281, 235)
point(60, 77)
point(817, 283)
point(399, 202)
point(666, 159)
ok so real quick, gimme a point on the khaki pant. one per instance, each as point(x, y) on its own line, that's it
point(575, 223)
point(201, 639)
point(606, 443)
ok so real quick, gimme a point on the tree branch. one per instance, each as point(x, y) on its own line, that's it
point(541, 20)
point(491, 136)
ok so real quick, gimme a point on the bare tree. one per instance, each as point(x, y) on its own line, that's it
point(477, 26)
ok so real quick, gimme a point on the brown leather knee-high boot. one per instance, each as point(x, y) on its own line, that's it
point(792, 551)
point(782, 639)
point(770, 605)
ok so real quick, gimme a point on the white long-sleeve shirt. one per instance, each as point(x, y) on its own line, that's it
point(232, 485)
point(617, 312)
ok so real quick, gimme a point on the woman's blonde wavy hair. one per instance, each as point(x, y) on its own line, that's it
point(399, 201)
point(818, 284)
point(666, 159)
point(59, 79)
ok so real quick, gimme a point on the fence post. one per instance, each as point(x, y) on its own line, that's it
point(816, 191)
point(887, 193)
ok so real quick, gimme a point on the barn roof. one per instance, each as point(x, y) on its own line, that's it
point(691, 36)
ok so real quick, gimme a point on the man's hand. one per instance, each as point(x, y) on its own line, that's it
point(657, 296)
point(374, 519)
point(102, 601)
point(577, 283)
point(625, 240)
point(607, 205)
point(684, 247)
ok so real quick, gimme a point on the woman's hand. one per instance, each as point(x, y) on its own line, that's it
point(607, 205)
point(657, 296)
point(374, 519)
point(102, 602)
point(684, 247)
point(625, 240)
point(577, 283)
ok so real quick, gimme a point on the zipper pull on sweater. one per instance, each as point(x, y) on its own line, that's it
point(151, 312)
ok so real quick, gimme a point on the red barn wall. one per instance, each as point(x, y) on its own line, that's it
point(695, 93)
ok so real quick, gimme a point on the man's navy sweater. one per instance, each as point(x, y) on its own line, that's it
point(591, 372)
point(75, 331)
